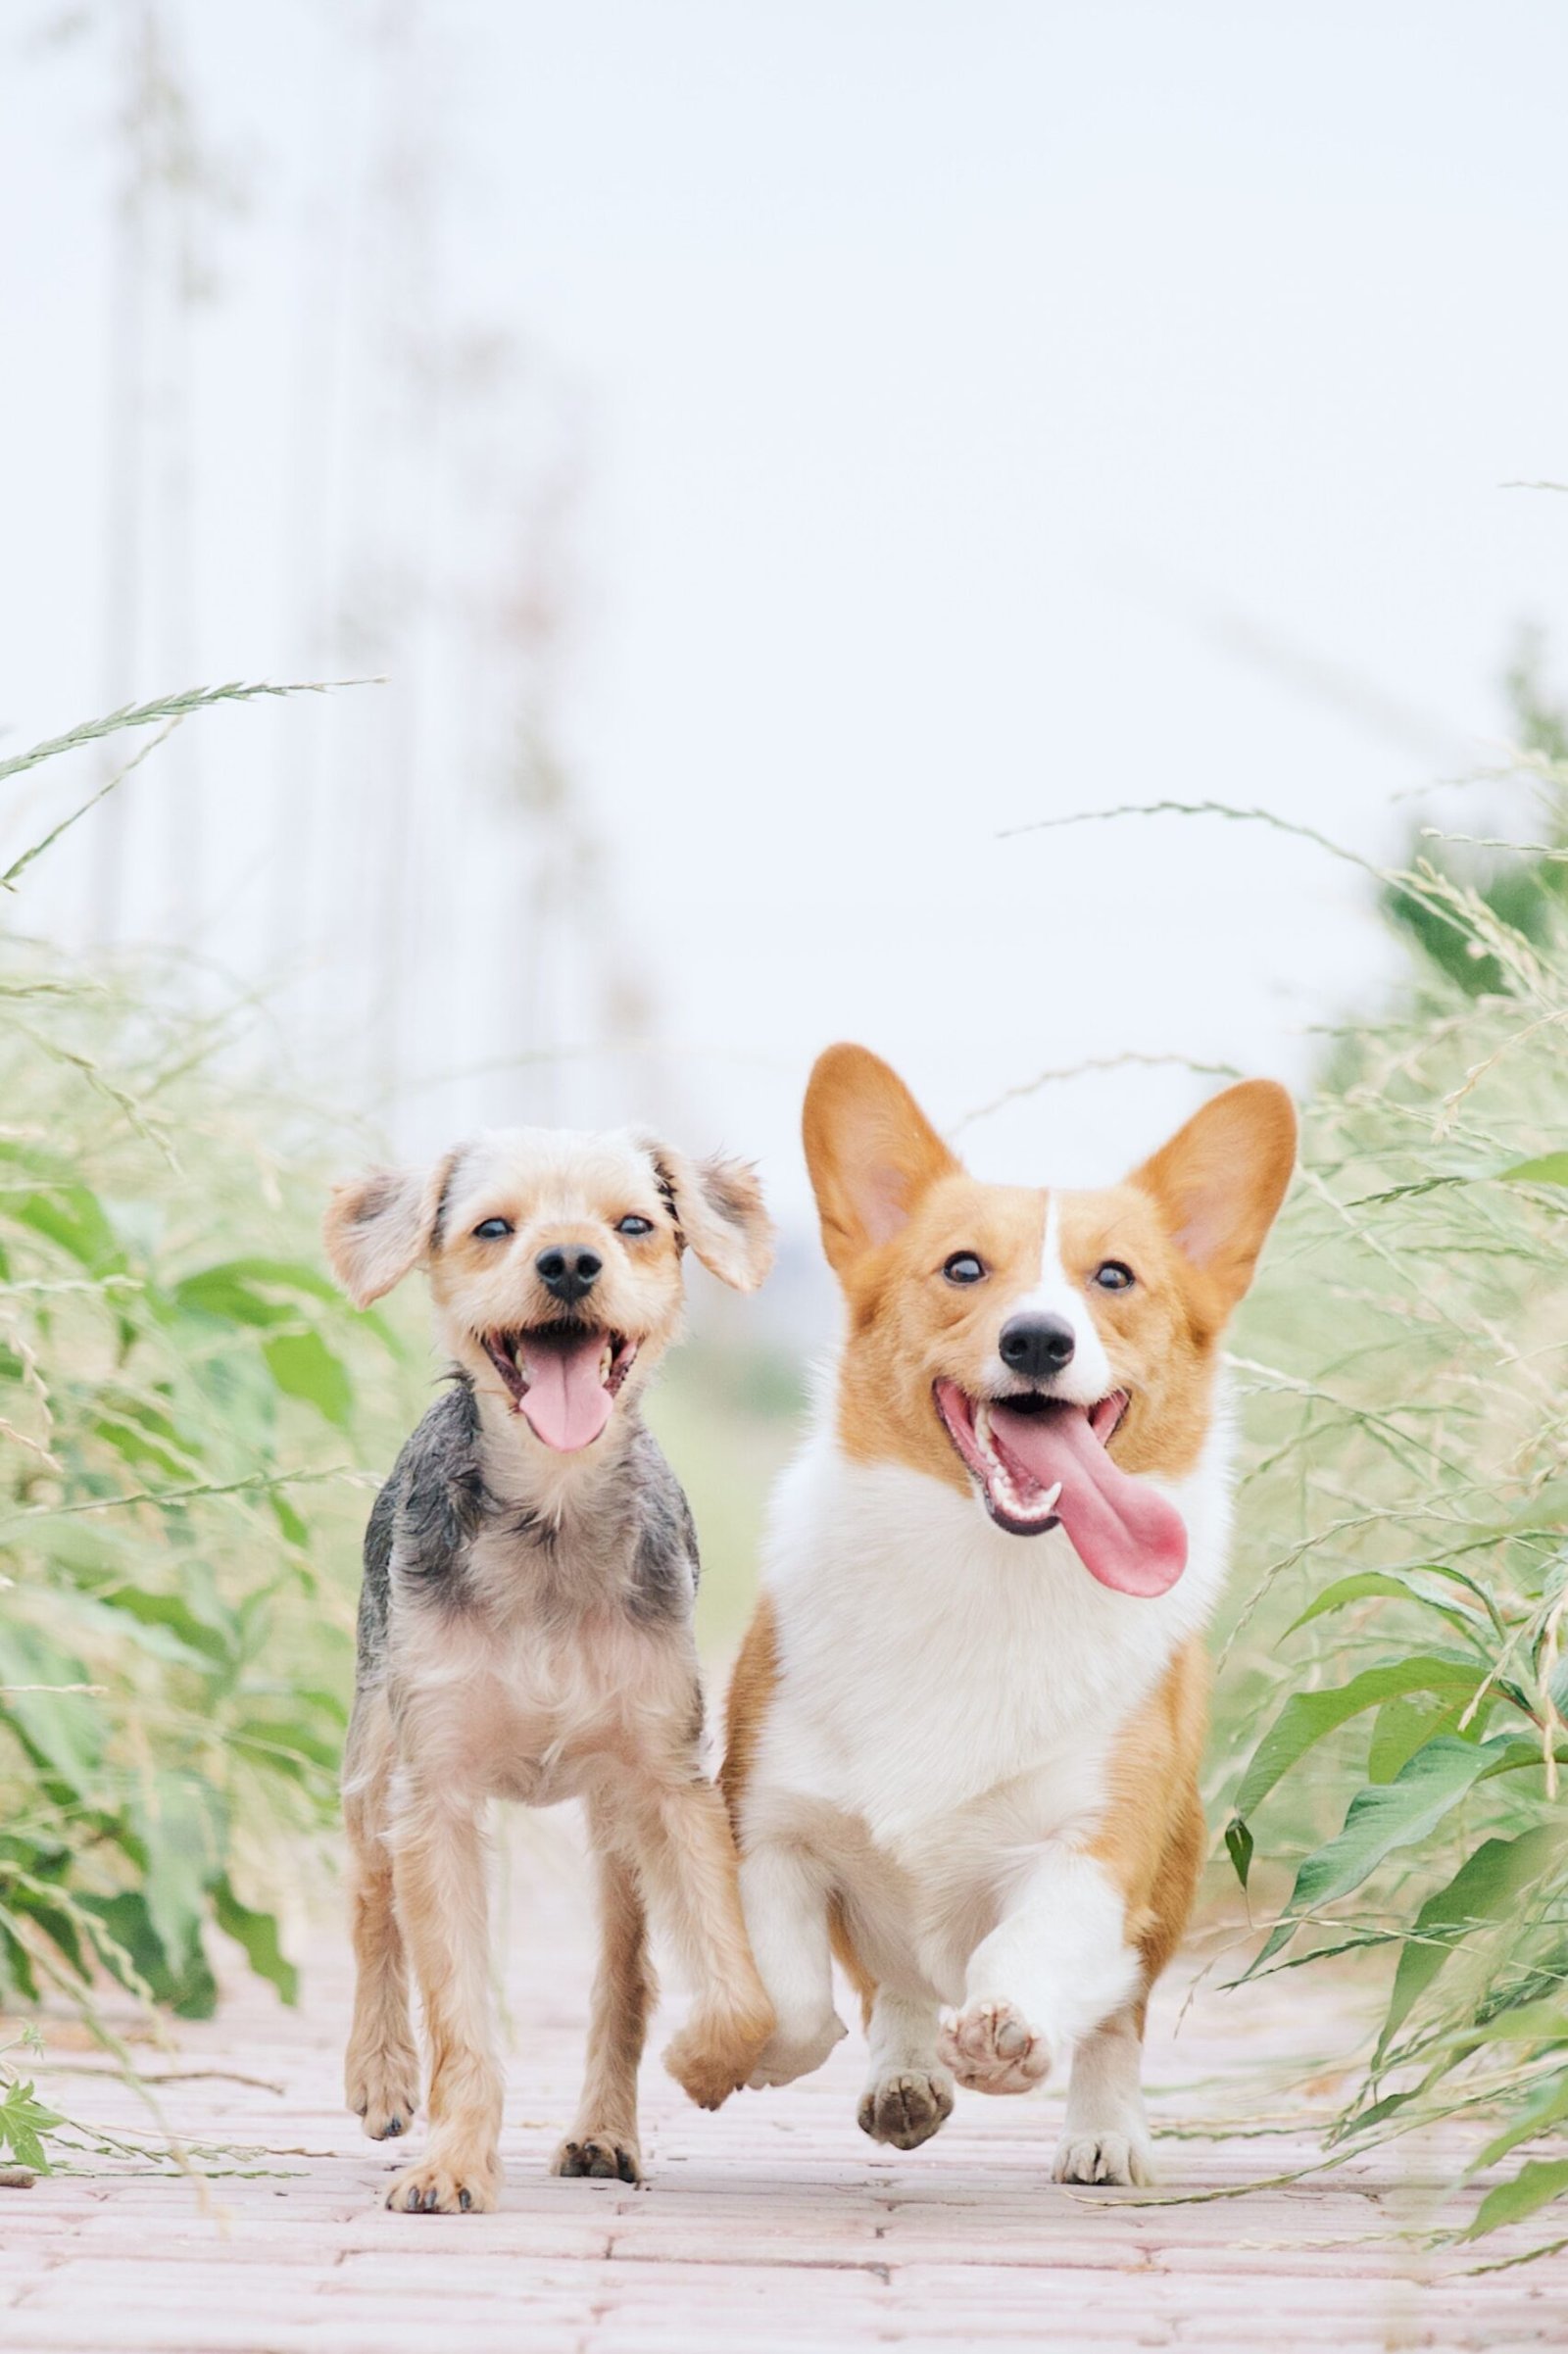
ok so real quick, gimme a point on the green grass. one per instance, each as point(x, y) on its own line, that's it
point(185, 1405)
point(1389, 1736)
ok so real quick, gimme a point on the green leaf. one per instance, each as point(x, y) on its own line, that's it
point(74, 1221)
point(178, 1830)
point(23, 2120)
point(1381, 1819)
point(258, 1934)
point(1239, 1848)
point(1534, 2185)
point(1548, 2108)
point(1545, 2021)
point(1484, 1890)
point(1309, 1715)
point(1397, 1585)
point(62, 1729)
point(303, 1366)
point(184, 1980)
point(1551, 1168)
point(1401, 1727)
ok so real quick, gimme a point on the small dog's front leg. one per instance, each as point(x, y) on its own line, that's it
point(689, 1858)
point(443, 1907)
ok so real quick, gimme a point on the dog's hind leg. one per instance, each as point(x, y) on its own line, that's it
point(381, 2069)
point(604, 2139)
point(909, 2093)
point(439, 1855)
point(688, 1861)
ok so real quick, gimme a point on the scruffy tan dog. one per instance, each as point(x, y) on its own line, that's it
point(525, 1632)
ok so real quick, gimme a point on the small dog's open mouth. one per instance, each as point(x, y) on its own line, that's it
point(1041, 1462)
point(561, 1379)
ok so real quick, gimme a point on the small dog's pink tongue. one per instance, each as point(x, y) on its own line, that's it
point(1123, 1533)
point(566, 1403)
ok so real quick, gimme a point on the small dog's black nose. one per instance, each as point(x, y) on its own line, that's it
point(1036, 1346)
point(569, 1274)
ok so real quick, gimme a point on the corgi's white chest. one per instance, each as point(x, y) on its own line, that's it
point(931, 1661)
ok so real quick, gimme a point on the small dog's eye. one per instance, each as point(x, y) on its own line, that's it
point(963, 1268)
point(635, 1225)
point(1114, 1276)
point(491, 1230)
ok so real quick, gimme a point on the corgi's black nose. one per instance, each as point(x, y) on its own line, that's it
point(568, 1275)
point(1036, 1345)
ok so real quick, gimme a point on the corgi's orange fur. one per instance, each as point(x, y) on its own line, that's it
point(965, 1727)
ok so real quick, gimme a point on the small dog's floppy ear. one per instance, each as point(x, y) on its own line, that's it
point(717, 1208)
point(871, 1150)
point(379, 1226)
point(1220, 1180)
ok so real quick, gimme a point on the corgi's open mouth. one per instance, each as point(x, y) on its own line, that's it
point(1042, 1463)
point(561, 1379)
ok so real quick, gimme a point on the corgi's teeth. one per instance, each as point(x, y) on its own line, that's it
point(1048, 1502)
point(982, 1431)
point(607, 1362)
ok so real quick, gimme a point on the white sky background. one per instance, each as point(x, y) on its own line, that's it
point(915, 408)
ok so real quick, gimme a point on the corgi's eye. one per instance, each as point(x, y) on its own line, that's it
point(963, 1268)
point(491, 1230)
point(1114, 1276)
point(635, 1225)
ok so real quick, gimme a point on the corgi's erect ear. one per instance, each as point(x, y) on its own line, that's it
point(871, 1148)
point(1220, 1181)
point(380, 1225)
point(717, 1208)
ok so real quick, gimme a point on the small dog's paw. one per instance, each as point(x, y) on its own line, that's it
point(1124, 2158)
point(991, 2047)
point(384, 2090)
point(454, 2187)
point(715, 2055)
point(607, 2157)
point(908, 2107)
point(793, 2051)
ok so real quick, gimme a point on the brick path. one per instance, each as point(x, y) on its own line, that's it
point(775, 2225)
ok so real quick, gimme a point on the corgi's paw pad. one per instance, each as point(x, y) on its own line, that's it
point(1111, 2158)
point(991, 2047)
point(908, 2107)
point(793, 2051)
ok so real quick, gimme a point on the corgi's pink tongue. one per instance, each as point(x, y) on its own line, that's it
point(1123, 1533)
point(565, 1401)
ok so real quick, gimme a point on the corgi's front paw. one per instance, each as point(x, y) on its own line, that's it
point(796, 2049)
point(991, 2047)
point(1124, 2158)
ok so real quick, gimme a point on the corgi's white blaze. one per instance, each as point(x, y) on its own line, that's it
point(1087, 1379)
point(937, 1746)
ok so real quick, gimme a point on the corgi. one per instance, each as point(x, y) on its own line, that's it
point(966, 1721)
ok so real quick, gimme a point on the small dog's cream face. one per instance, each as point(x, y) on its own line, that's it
point(555, 1261)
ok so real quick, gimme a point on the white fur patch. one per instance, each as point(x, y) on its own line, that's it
point(949, 1698)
